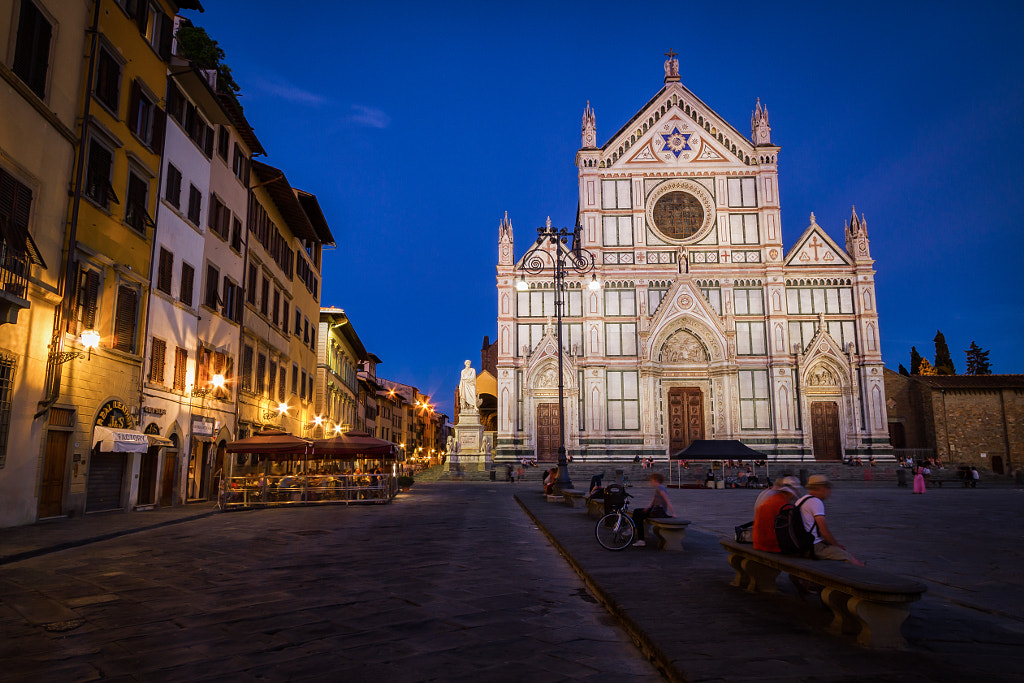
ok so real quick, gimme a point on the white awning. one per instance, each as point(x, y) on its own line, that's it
point(120, 440)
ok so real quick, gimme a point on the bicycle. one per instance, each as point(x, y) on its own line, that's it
point(616, 530)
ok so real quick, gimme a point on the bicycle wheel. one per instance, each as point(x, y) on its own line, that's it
point(615, 531)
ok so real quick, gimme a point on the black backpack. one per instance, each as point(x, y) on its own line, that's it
point(793, 538)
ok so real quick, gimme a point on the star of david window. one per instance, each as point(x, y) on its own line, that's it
point(678, 215)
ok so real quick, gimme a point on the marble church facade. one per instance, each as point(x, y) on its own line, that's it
point(705, 326)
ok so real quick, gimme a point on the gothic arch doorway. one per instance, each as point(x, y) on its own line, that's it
point(685, 417)
point(826, 442)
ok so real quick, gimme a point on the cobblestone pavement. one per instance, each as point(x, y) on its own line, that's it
point(964, 544)
point(449, 583)
point(454, 582)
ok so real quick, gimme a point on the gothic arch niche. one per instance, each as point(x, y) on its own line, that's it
point(541, 406)
point(683, 347)
point(827, 409)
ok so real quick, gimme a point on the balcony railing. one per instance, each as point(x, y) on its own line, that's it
point(14, 268)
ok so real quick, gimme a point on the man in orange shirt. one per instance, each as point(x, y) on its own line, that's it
point(764, 516)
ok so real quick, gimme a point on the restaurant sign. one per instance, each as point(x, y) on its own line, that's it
point(116, 415)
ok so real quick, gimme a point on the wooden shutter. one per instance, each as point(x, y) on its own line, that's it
point(187, 279)
point(125, 317)
point(166, 26)
point(281, 384)
point(180, 368)
point(261, 373)
point(134, 102)
point(159, 128)
point(247, 368)
point(90, 294)
point(156, 361)
point(142, 15)
point(32, 51)
point(15, 208)
point(163, 282)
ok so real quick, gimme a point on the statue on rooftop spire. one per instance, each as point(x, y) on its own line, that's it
point(671, 67)
point(589, 131)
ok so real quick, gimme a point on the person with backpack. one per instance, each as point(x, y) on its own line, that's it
point(812, 510)
point(763, 535)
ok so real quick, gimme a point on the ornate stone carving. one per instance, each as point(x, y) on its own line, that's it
point(822, 377)
point(548, 378)
point(683, 347)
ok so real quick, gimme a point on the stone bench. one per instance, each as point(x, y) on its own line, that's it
point(668, 532)
point(595, 507)
point(864, 601)
point(573, 498)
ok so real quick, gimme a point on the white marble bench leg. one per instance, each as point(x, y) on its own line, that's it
point(761, 577)
point(879, 623)
point(843, 621)
point(672, 538)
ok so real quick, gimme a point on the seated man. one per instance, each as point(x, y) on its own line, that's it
point(826, 547)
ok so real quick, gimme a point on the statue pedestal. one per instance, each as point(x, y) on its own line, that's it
point(469, 443)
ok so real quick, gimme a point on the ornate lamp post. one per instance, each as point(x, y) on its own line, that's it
point(553, 252)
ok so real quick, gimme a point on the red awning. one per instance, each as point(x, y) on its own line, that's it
point(272, 442)
point(353, 444)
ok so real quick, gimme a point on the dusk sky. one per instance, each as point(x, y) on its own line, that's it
point(418, 125)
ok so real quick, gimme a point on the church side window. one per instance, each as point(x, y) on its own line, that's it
point(619, 302)
point(572, 337)
point(528, 336)
point(843, 331)
point(749, 301)
point(754, 403)
point(743, 228)
point(618, 231)
point(714, 297)
point(742, 192)
point(814, 300)
point(654, 297)
point(750, 338)
point(623, 400)
point(620, 339)
point(615, 194)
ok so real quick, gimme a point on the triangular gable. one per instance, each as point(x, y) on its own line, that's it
point(673, 128)
point(816, 248)
point(546, 351)
point(823, 346)
point(683, 298)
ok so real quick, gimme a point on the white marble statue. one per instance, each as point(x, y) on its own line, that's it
point(487, 446)
point(467, 388)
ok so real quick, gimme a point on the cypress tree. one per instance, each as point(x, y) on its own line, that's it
point(977, 361)
point(943, 361)
point(915, 361)
point(903, 371)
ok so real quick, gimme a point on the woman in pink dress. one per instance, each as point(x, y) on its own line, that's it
point(919, 480)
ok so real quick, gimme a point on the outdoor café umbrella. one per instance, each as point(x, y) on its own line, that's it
point(270, 442)
point(352, 444)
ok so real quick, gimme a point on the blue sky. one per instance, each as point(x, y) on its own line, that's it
point(417, 125)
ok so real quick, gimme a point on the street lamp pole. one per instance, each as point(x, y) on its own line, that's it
point(538, 259)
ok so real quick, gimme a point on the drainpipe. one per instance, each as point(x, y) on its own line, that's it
point(53, 368)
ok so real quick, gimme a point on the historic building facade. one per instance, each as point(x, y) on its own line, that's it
point(704, 325)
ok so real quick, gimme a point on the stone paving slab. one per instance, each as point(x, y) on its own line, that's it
point(449, 583)
point(700, 628)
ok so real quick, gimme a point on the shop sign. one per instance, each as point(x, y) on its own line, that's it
point(149, 410)
point(116, 415)
point(203, 426)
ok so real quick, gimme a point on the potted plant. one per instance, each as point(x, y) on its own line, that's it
point(405, 482)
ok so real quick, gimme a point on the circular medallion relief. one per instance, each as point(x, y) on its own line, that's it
point(684, 302)
point(681, 210)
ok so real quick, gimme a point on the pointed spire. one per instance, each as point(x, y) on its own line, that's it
point(813, 219)
point(760, 130)
point(858, 226)
point(505, 229)
point(589, 128)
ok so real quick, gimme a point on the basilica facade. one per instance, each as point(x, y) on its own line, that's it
point(696, 322)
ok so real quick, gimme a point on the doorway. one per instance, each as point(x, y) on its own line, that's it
point(147, 476)
point(547, 432)
point(106, 477)
point(685, 417)
point(825, 439)
point(51, 489)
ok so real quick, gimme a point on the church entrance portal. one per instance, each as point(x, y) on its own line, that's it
point(547, 432)
point(825, 431)
point(685, 417)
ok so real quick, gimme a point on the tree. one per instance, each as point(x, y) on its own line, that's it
point(943, 361)
point(915, 361)
point(977, 361)
point(903, 371)
point(926, 368)
point(205, 53)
